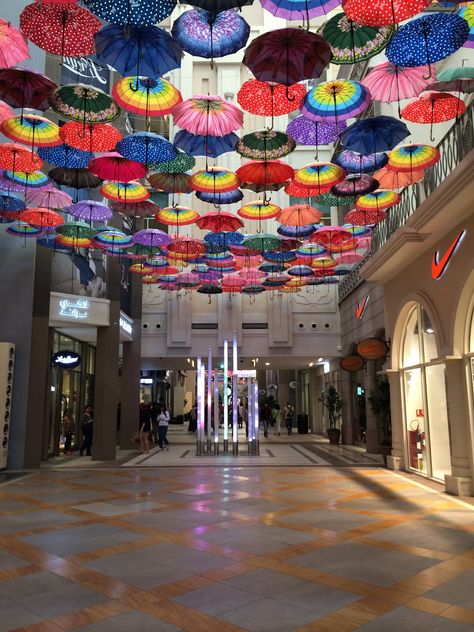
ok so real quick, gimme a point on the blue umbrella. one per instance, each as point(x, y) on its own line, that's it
point(10, 203)
point(300, 270)
point(65, 156)
point(211, 146)
point(428, 39)
point(230, 197)
point(272, 267)
point(137, 13)
point(299, 232)
point(146, 147)
point(210, 35)
point(352, 161)
point(220, 242)
point(137, 51)
point(375, 134)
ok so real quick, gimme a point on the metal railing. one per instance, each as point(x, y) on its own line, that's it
point(454, 147)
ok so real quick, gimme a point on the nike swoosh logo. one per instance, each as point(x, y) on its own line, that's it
point(439, 266)
point(360, 308)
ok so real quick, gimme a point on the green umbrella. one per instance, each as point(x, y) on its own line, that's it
point(261, 241)
point(265, 145)
point(182, 163)
point(460, 79)
point(328, 199)
point(350, 42)
point(83, 103)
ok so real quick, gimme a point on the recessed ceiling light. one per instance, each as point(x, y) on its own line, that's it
point(267, 363)
point(320, 359)
point(311, 363)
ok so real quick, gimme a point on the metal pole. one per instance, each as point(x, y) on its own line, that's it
point(226, 396)
point(209, 398)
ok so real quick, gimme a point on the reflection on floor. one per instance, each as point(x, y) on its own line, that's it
point(221, 549)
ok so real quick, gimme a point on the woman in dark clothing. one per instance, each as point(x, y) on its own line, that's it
point(145, 427)
point(87, 424)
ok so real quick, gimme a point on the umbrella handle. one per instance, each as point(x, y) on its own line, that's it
point(288, 97)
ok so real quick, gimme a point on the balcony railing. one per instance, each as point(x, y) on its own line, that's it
point(454, 147)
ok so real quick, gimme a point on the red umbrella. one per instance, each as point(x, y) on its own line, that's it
point(22, 88)
point(113, 166)
point(299, 215)
point(433, 107)
point(294, 189)
point(382, 12)
point(331, 237)
point(188, 246)
point(90, 136)
point(14, 157)
point(219, 221)
point(270, 99)
point(60, 29)
point(42, 217)
point(265, 173)
point(363, 218)
point(287, 56)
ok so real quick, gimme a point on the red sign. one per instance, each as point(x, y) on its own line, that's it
point(439, 266)
point(419, 412)
point(360, 307)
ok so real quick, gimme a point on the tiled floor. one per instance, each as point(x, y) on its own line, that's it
point(230, 548)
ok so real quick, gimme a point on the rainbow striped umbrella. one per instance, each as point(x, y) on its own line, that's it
point(320, 176)
point(23, 229)
point(299, 9)
point(76, 234)
point(214, 180)
point(323, 261)
point(177, 216)
point(376, 201)
point(219, 243)
point(468, 14)
point(141, 268)
point(31, 129)
point(258, 210)
point(412, 157)
point(310, 250)
point(124, 191)
point(335, 100)
point(26, 180)
point(113, 238)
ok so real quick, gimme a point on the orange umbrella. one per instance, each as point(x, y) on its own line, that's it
point(389, 179)
point(299, 215)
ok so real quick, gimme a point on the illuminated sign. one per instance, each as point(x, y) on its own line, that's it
point(66, 359)
point(126, 325)
point(439, 266)
point(360, 307)
point(243, 373)
point(77, 309)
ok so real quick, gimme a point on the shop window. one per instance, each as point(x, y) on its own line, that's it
point(411, 342)
point(430, 348)
point(470, 340)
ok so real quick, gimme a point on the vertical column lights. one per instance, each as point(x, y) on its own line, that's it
point(199, 394)
point(235, 410)
point(256, 419)
point(216, 412)
point(209, 398)
point(226, 395)
point(250, 423)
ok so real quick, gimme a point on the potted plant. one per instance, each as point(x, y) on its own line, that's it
point(379, 400)
point(333, 402)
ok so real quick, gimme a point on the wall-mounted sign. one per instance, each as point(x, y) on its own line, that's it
point(439, 266)
point(293, 385)
point(66, 359)
point(84, 70)
point(70, 310)
point(250, 373)
point(419, 412)
point(360, 307)
point(372, 349)
point(352, 363)
point(77, 309)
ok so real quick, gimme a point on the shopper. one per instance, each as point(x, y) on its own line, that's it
point(192, 425)
point(69, 428)
point(289, 413)
point(163, 423)
point(87, 427)
point(154, 408)
point(277, 418)
point(145, 427)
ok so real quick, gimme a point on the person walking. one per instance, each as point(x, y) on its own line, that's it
point(163, 423)
point(145, 427)
point(69, 428)
point(87, 427)
point(154, 421)
point(277, 418)
point(289, 413)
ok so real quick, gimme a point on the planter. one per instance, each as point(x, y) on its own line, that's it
point(385, 451)
point(334, 435)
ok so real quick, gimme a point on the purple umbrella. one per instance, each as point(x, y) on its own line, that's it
point(152, 237)
point(307, 132)
point(91, 211)
point(355, 184)
point(299, 9)
point(353, 162)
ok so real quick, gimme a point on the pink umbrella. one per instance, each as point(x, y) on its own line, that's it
point(13, 45)
point(5, 112)
point(233, 282)
point(113, 166)
point(251, 275)
point(205, 115)
point(50, 198)
point(348, 258)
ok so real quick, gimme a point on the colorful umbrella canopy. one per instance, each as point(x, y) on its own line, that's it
point(298, 232)
point(91, 136)
point(113, 166)
point(467, 13)
point(177, 216)
point(287, 56)
point(205, 115)
point(227, 197)
point(258, 210)
point(294, 189)
point(218, 5)
point(299, 215)
point(83, 103)
point(265, 145)
point(113, 237)
point(90, 210)
point(320, 176)
point(142, 95)
point(310, 250)
point(75, 178)
point(171, 182)
point(210, 35)
point(42, 218)
point(378, 200)
point(300, 271)
point(65, 156)
point(354, 162)
point(25, 179)
point(412, 158)
point(124, 192)
point(180, 164)
point(374, 134)
point(331, 237)
point(220, 242)
point(389, 179)
point(23, 229)
point(389, 83)
point(60, 29)
point(261, 242)
point(13, 45)
point(15, 157)
point(50, 198)
point(75, 231)
point(351, 42)
point(383, 11)
point(210, 288)
point(22, 88)
point(187, 246)
point(355, 184)
point(335, 100)
point(138, 50)
point(214, 179)
point(147, 148)
point(266, 172)
point(5, 112)
point(136, 209)
point(219, 221)
point(308, 132)
point(152, 237)
point(299, 9)
point(365, 217)
point(211, 146)
point(432, 107)
point(31, 129)
point(268, 99)
point(428, 39)
point(137, 13)
point(10, 203)
point(329, 199)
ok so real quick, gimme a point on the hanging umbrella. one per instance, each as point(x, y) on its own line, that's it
point(265, 145)
point(261, 242)
point(383, 11)
point(136, 13)
point(412, 158)
point(299, 215)
point(209, 289)
point(140, 268)
point(365, 217)
point(300, 271)
point(252, 288)
point(91, 136)
point(75, 178)
point(310, 250)
point(389, 179)
point(431, 108)
point(49, 198)
point(90, 211)
point(146, 148)
point(335, 100)
point(42, 218)
point(354, 162)
point(211, 146)
point(378, 200)
point(76, 234)
point(142, 95)
point(204, 34)
point(205, 115)
point(214, 179)
point(461, 80)
point(233, 283)
point(25, 179)
point(177, 216)
point(217, 5)
point(151, 237)
point(467, 13)
point(113, 238)
point(5, 112)
point(60, 29)
point(374, 134)
point(287, 56)
point(23, 229)
point(355, 184)
point(258, 210)
point(135, 209)
point(285, 256)
point(329, 199)
point(124, 192)
point(219, 221)
point(22, 88)
point(270, 99)
point(294, 189)
point(428, 39)
point(13, 45)
point(220, 242)
point(113, 166)
point(10, 203)
point(65, 156)
point(171, 182)
point(389, 83)
point(227, 197)
point(331, 237)
point(270, 268)
point(348, 258)
point(323, 261)
point(87, 104)
point(15, 157)
point(49, 241)
point(351, 42)
point(187, 246)
point(31, 129)
point(298, 232)
point(188, 280)
point(138, 50)
point(308, 132)
point(265, 173)
point(320, 176)
point(299, 9)
point(180, 164)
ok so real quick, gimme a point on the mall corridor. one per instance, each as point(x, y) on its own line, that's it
point(222, 548)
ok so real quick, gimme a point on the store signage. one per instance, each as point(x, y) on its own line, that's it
point(360, 307)
point(243, 373)
point(77, 309)
point(439, 266)
point(419, 412)
point(372, 349)
point(66, 359)
point(352, 363)
point(85, 70)
point(126, 325)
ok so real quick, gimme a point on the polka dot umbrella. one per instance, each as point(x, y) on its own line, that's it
point(124, 192)
point(187, 246)
point(65, 156)
point(467, 13)
point(91, 136)
point(329, 199)
point(15, 157)
point(308, 132)
point(13, 45)
point(75, 234)
point(42, 218)
point(136, 13)
point(83, 103)
point(152, 237)
point(295, 189)
point(267, 99)
point(433, 107)
point(91, 211)
point(146, 148)
point(221, 242)
point(365, 217)
point(411, 158)
point(31, 129)
point(262, 242)
point(180, 164)
point(299, 232)
point(382, 12)
point(335, 100)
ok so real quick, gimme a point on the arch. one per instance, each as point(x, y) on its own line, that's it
point(464, 309)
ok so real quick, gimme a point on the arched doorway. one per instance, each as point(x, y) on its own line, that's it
point(423, 388)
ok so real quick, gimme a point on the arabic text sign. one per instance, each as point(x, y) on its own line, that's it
point(75, 309)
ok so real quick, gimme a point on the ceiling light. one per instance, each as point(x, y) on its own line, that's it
point(320, 359)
